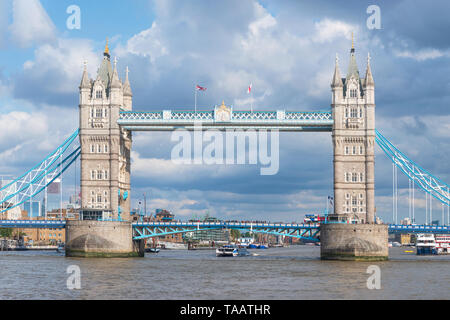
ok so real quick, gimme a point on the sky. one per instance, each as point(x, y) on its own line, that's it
point(286, 49)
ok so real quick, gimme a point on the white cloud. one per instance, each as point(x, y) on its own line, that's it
point(31, 24)
point(422, 54)
point(328, 30)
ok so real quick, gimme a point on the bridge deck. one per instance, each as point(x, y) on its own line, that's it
point(58, 224)
point(233, 120)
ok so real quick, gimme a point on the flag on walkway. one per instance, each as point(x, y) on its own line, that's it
point(199, 88)
point(54, 187)
point(249, 90)
point(331, 200)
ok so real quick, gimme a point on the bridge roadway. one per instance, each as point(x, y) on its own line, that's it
point(142, 230)
point(231, 120)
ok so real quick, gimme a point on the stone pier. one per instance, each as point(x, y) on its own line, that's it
point(356, 242)
point(102, 239)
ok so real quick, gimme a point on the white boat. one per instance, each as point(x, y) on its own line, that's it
point(231, 251)
point(442, 243)
point(425, 244)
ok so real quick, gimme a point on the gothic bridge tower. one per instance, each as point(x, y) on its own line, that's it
point(105, 147)
point(351, 232)
point(353, 107)
point(104, 229)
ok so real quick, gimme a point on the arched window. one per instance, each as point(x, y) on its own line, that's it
point(92, 175)
point(99, 148)
point(100, 175)
point(105, 148)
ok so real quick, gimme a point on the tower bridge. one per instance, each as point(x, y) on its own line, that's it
point(107, 120)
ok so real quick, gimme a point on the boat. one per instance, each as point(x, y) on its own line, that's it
point(231, 251)
point(425, 244)
point(257, 246)
point(152, 250)
point(61, 248)
point(442, 243)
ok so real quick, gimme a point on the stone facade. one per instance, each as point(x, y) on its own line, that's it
point(102, 239)
point(355, 242)
point(353, 108)
point(105, 147)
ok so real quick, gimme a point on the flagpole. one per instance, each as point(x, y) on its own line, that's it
point(195, 94)
point(251, 103)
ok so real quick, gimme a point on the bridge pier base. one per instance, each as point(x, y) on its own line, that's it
point(355, 242)
point(101, 239)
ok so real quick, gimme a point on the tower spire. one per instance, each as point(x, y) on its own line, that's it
point(106, 53)
point(353, 66)
point(85, 83)
point(115, 82)
point(337, 81)
point(369, 78)
point(126, 86)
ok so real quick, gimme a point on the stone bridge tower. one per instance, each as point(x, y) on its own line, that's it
point(105, 147)
point(353, 107)
point(356, 237)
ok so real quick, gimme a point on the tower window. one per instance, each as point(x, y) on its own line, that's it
point(99, 94)
point(98, 113)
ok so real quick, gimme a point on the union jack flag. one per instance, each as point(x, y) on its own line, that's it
point(198, 88)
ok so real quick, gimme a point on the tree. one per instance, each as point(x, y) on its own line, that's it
point(235, 234)
point(6, 233)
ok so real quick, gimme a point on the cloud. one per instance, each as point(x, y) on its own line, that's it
point(31, 24)
point(423, 54)
point(54, 75)
point(328, 30)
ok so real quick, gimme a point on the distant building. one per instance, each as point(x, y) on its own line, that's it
point(33, 208)
point(405, 222)
point(163, 215)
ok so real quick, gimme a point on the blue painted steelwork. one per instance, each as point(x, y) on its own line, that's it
point(426, 181)
point(36, 179)
point(397, 228)
point(156, 229)
point(33, 224)
point(144, 230)
point(237, 120)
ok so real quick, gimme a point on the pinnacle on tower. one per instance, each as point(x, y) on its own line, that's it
point(337, 81)
point(115, 82)
point(85, 83)
point(126, 86)
point(368, 80)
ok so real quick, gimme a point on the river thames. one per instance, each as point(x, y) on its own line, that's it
point(277, 273)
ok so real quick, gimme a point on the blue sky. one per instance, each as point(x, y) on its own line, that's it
point(285, 48)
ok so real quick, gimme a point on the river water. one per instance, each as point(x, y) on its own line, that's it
point(289, 273)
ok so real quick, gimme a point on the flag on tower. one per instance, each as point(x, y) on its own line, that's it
point(199, 88)
point(249, 90)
